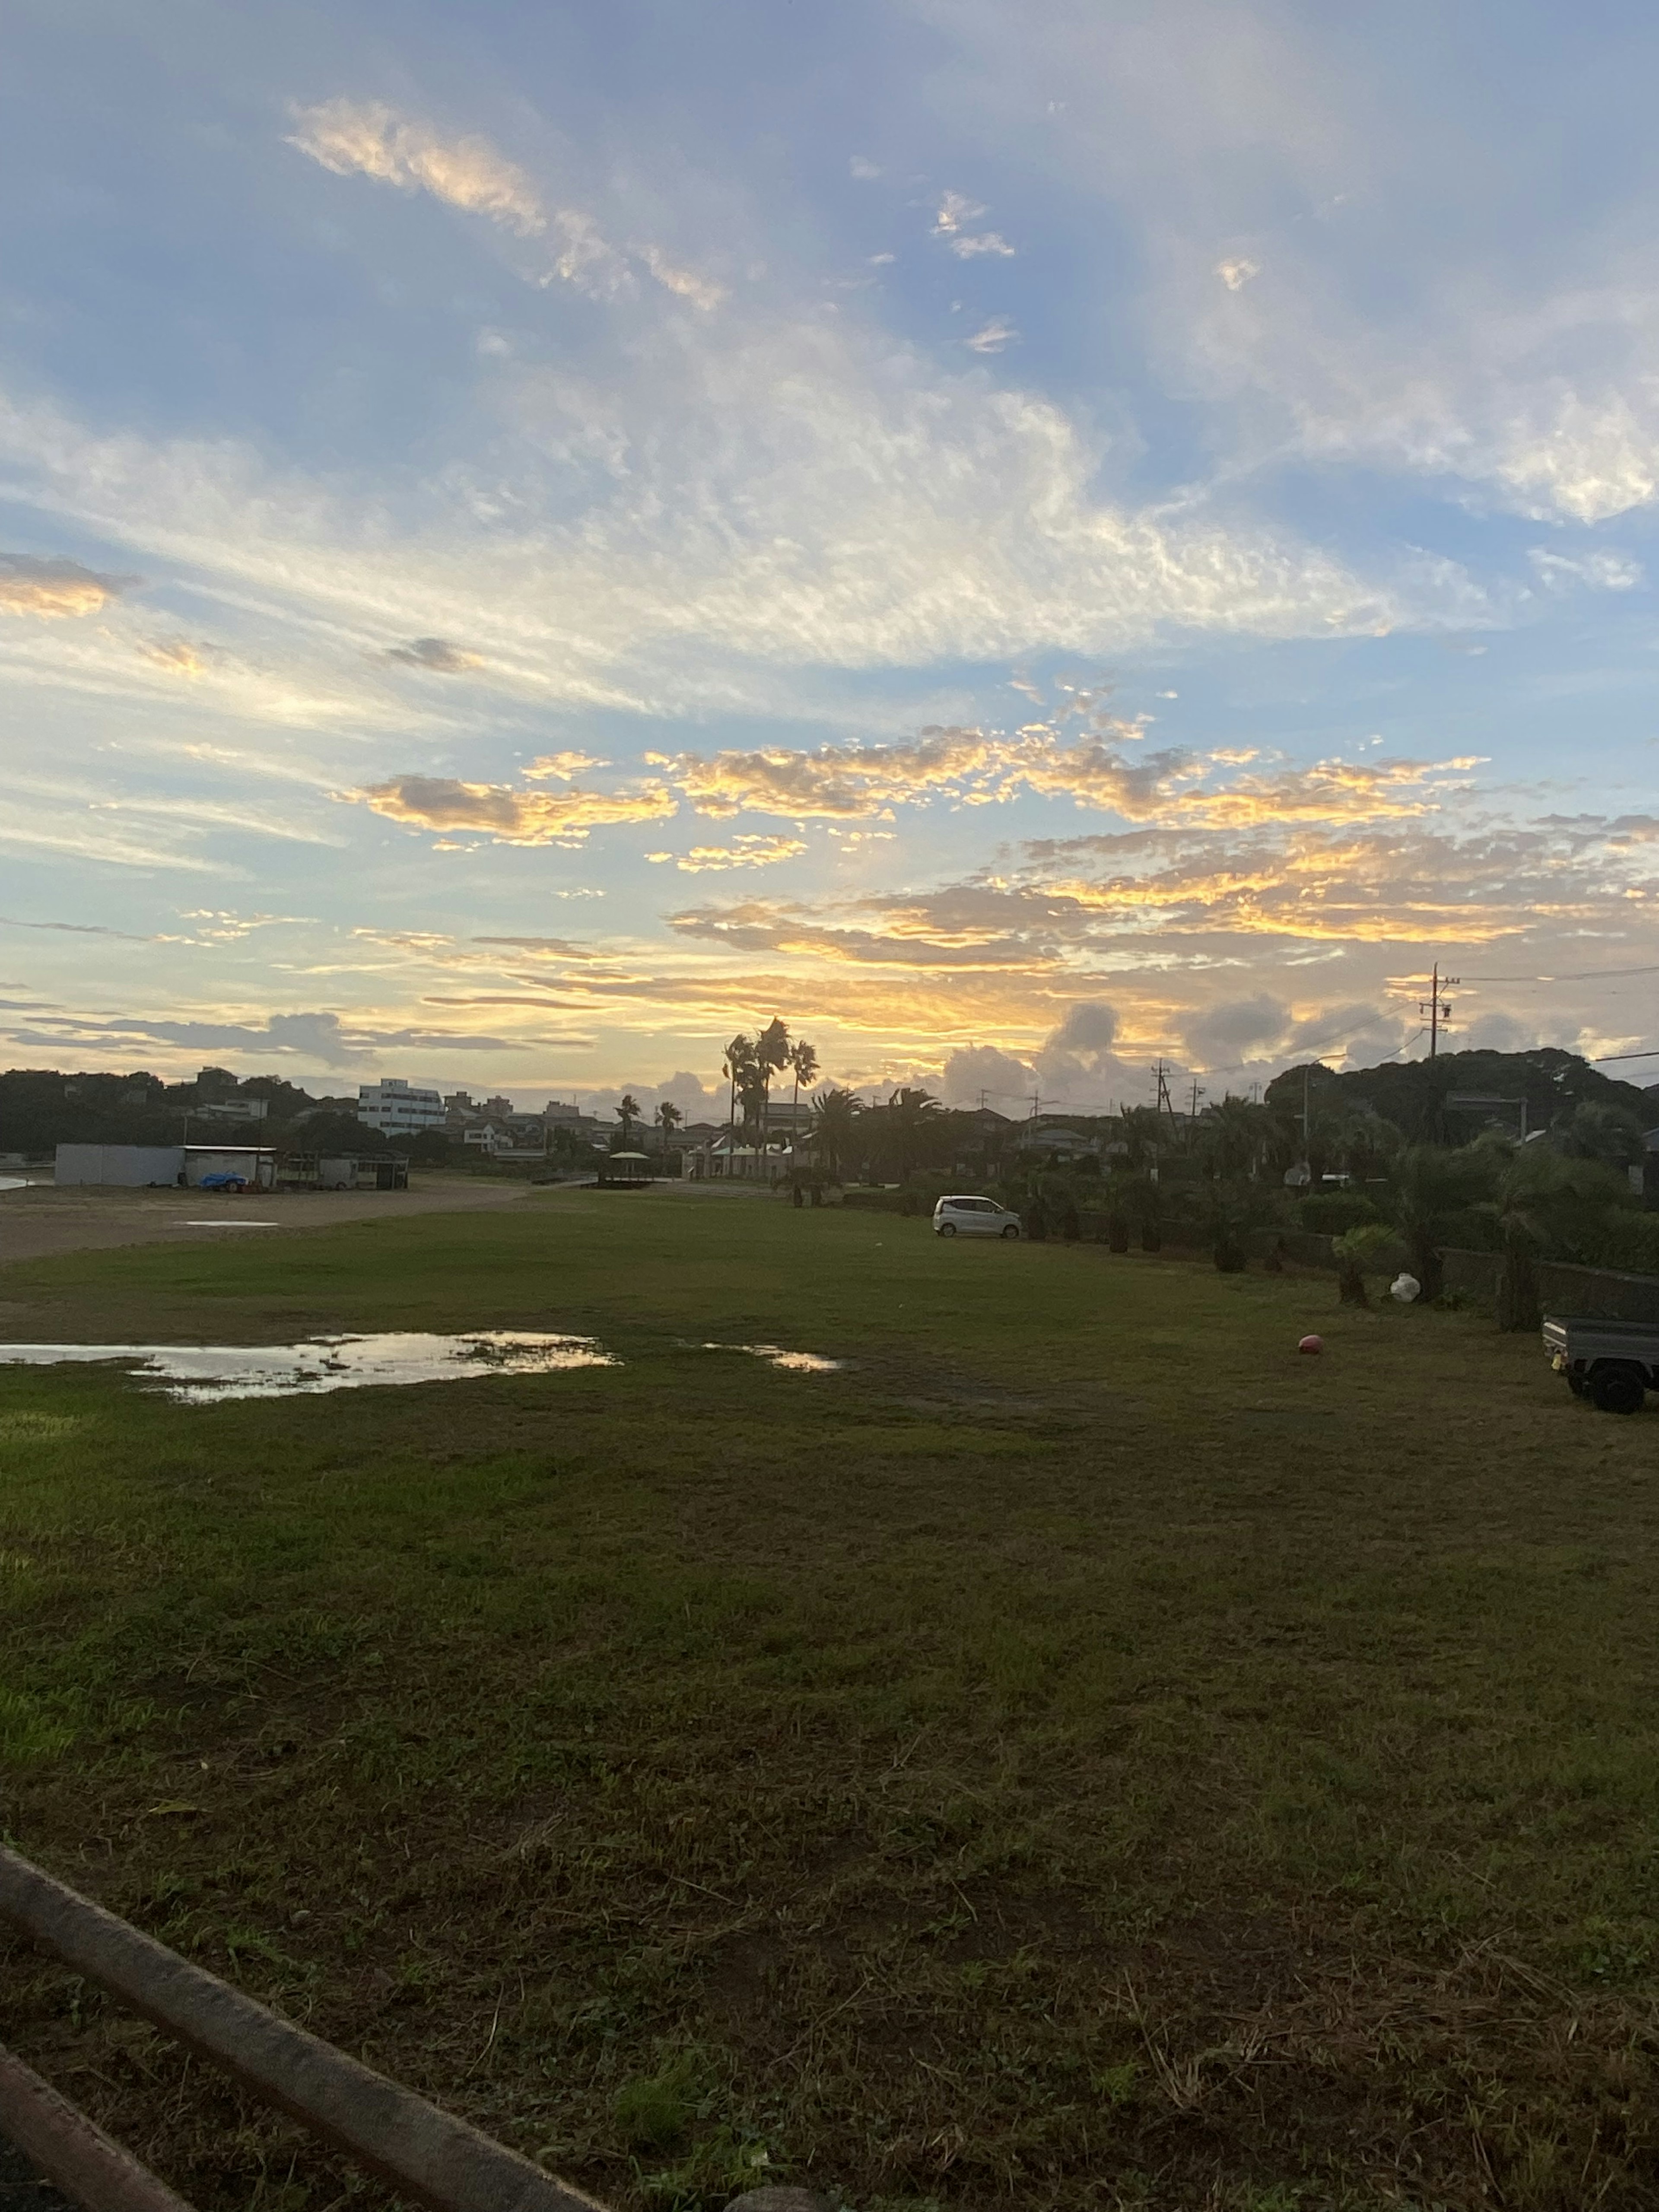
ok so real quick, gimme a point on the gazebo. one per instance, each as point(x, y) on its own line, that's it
point(625, 1171)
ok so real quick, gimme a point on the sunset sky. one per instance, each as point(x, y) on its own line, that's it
point(1021, 535)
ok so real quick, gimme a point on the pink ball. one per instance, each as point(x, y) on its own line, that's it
point(1311, 1344)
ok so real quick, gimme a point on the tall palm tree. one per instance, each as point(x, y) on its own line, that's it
point(907, 1111)
point(834, 1112)
point(739, 1057)
point(628, 1112)
point(669, 1116)
point(771, 1057)
point(804, 1060)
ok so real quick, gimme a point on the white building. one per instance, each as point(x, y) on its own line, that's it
point(394, 1110)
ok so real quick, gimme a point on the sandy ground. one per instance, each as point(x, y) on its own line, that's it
point(40, 1221)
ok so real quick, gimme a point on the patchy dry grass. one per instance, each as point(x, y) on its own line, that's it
point(1083, 1755)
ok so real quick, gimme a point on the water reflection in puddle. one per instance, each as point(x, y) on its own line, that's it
point(797, 1363)
point(200, 1374)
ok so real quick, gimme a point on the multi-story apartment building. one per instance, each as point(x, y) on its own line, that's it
point(395, 1109)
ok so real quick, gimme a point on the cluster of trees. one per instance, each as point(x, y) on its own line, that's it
point(43, 1107)
point(666, 1118)
point(751, 1065)
point(1567, 1193)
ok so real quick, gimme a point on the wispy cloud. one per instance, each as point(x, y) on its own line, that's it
point(992, 336)
point(437, 654)
point(968, 244)
point(954, 209)
point(1601, 572)
point(685, 283)
point(978, 768)
point(1236, 275)
point(366, 138)
point(51, 590)
point(508, 816)
point(746, 852)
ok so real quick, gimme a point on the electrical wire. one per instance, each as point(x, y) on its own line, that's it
point(1576, 975)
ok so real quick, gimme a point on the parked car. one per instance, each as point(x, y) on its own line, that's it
point(223, 1183)
point(1614, 1363)
point(974, 1217)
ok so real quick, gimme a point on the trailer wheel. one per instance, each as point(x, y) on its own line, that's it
point(1619, 1388)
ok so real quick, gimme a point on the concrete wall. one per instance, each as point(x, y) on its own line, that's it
point(130, 1167)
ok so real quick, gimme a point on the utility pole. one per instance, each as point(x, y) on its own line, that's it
point(1438, 1009)
point(1165, 1103)
point(1197, 1094)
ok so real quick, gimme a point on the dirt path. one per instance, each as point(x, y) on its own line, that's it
point(40, 1222)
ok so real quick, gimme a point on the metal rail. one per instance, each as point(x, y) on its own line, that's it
point(426, 2154)
point(78, 2157)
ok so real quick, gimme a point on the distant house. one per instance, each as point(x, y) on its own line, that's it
point(733, 1156)
point(1040, 1136)
point(231, 1110)
point(525, 1137)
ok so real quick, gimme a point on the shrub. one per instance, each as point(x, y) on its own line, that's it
point(1630, 1241)
point(1361, 1247)
point(1333, 1212)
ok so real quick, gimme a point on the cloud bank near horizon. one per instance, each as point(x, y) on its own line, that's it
point(1088, 549)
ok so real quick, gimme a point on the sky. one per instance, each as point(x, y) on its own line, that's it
point(1024, 539)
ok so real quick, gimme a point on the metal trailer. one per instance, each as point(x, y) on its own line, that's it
point(1614, 1364)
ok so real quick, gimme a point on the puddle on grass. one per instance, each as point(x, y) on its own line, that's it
point(796, 1363)
point(202, 1375)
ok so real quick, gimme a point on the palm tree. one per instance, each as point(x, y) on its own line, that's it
point(1361, 1247)
point(669, 1116)
point(1231, 1137)
point(1596, 1131)
point(908, 1110)
point(628, 1112)
point(1430, 1185)
point(771, 1057)
point(739, 1057)
point(804, 1061)
point(834, 1112)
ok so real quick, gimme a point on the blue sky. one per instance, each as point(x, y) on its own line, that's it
point(1023, 539)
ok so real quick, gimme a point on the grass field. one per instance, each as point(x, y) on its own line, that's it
point(1082, 1755)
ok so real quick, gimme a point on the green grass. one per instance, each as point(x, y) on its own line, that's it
point(1083, 1755)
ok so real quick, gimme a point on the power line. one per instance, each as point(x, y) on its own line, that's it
point(1576, 975)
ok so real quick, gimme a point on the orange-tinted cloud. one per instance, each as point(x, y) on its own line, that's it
point(366, 138)
point(51, 590)
point(510, 817)
point(753, 852)
point(974, 767)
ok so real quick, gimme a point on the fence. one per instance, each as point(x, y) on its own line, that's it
point(1605, 1292)
point(426, 2154)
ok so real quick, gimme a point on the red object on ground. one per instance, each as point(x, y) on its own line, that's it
point(1311, 1344)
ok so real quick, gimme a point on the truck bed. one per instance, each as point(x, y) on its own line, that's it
point(1580, 1339)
